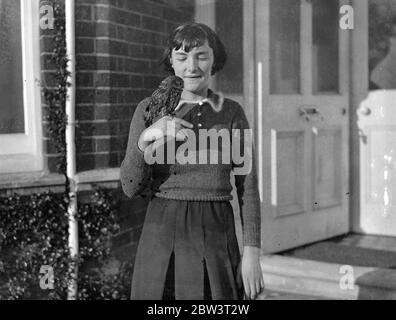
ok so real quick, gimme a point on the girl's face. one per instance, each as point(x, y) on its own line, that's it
point(194, 68)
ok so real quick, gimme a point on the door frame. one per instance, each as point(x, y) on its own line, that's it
point(359, 92)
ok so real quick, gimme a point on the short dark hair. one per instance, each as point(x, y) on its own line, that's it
point(191, 35)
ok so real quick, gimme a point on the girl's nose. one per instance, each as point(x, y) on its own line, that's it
point(192, 64)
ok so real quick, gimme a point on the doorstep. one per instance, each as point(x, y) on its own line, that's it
point(278, 295)
point(324, 280)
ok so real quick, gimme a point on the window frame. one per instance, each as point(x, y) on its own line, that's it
point(23, 152)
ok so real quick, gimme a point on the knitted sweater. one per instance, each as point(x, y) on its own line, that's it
point(197, 181)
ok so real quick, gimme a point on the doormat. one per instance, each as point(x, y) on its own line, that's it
point(344, 254)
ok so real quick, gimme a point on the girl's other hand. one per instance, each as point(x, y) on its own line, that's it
point(252, 275)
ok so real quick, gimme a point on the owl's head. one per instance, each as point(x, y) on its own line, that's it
point(172, 82)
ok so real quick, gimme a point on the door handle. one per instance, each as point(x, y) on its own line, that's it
point(310, 111)
point(365, 111)
point(362, 136)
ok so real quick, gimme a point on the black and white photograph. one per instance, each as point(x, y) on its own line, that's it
point(198, 150)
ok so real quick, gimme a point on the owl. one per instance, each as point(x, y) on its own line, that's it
point(164, 99)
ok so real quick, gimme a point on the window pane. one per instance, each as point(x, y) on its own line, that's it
point(284, 46)
point(11, 102)
point(325, 60)
point(229, 27)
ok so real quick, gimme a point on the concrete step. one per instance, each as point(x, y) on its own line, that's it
point(278, 295)
point(327, 280)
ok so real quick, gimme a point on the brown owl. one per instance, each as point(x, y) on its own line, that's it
point(164, 99)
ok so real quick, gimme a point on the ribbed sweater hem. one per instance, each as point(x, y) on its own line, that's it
point(196, 197)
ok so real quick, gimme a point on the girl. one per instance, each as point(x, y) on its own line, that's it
point(188, 247)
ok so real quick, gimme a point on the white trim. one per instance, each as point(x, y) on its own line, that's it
point(23, 152)
point(98, 175)
point(38, 179)
point(85, 180)
point(205, 12)
point(359, 89)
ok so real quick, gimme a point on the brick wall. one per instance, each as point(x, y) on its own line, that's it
point(48, 80)
point(118, 44)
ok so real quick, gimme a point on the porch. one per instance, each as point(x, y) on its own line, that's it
point(348, 267)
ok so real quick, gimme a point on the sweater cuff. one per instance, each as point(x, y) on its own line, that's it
point(252, 235)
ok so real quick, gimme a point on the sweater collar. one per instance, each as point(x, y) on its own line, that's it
point(214, 99)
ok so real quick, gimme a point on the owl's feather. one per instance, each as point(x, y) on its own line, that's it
point(164, 99)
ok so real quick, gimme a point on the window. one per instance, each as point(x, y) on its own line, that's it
point(20, 105)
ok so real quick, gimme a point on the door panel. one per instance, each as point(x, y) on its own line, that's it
point(302, 120)
point(327, 182)
point(288, 198)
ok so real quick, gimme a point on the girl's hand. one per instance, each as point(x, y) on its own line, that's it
point(252, 275)
point(166, 127)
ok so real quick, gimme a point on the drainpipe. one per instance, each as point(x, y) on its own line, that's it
point(70, 144)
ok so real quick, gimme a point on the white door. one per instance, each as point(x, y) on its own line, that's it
point(302, 124)
point(377, 127)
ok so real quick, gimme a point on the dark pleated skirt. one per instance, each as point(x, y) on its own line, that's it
point(187, 250)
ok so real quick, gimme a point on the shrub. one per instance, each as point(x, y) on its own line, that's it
point(34, 233)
